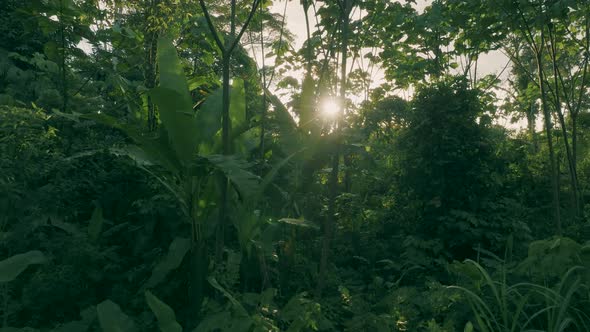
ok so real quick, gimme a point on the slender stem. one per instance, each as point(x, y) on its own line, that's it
point(264, 101)
point(62, 33)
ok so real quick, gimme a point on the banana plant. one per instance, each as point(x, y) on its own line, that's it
point(187, 150)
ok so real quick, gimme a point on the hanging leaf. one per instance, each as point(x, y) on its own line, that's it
point(178, 249)
point(95, 223)
point(299, 222)
point(468, 327)
point(164, 314)
point(113, 319)
point(307, 105)
point(239, 309)
point(209, 118)
point(235, 169)
point(11, 267)
point(174, 101)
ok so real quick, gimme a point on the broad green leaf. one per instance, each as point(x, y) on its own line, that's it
point(178, 249)
point(209, 118)
point(164, 314)
point(239, 309)
point(95, 224)
point(11, 267)
point(237, 105)
point(174, 101)
point(151, 149)
point(236, 171)
point(113, 319)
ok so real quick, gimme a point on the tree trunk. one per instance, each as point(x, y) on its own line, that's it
point(548, 128)
point(333, 191)
point(558, 109)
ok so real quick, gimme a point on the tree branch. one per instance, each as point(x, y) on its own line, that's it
point(212, 27)
point(244, 27)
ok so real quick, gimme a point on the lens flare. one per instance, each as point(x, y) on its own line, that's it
point(329, 108)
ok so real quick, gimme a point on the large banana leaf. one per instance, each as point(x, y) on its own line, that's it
point(178, 249)
point(174, 101)
point(209, 121)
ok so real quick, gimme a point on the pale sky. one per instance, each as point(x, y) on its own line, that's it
point(491, 63)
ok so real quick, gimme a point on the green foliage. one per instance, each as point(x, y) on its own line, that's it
point(11, 267)
point(174, 102)
point(113, 319)
point(500, 306)
point(123, 208)
point(550, 259)
point(178, 249)
point(164, 314)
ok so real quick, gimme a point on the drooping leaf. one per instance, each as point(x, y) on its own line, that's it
point(113, 319)
point(174, 101)
point(178, 249)
point(299, 222)
point(236, 170)
point(11, 267)
point(236, 320)
point(164, 314)
point(152, 148)
point(273, 172)
point(209, 119)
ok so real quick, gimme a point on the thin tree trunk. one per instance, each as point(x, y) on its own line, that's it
point(570, 161)
point(264, 98)
point(225, 135)
point(531, 121)
point(330, 220)
point(548, 128)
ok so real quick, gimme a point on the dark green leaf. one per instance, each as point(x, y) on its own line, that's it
point(11, 267)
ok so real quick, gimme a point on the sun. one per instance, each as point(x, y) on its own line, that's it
point(329, 108)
